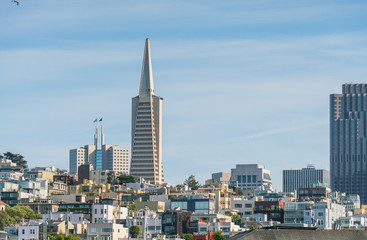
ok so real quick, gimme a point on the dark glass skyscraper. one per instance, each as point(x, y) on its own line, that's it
point(348, 143)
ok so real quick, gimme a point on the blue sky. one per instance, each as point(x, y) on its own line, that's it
point(242, 81)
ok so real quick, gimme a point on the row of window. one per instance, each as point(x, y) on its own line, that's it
point(246, 178)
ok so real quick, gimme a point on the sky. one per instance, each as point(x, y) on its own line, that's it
point(243, 82)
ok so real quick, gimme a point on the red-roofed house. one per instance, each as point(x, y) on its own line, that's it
point(2, 206)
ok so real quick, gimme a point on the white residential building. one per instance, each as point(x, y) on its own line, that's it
point(323, 214)
point(28, 231)
point(105, 212)
point(352, 223)
point(74, 218)
point(149, 221)
point(242, 206)
point(106, 231)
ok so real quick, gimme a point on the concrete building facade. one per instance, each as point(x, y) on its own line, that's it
point(302, 178)
point(348, 140)
point(146, 129)
point(251, 176)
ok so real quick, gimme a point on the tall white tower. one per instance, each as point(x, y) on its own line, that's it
point(146, 129)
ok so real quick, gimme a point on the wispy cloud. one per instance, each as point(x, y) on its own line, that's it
point(277, 131)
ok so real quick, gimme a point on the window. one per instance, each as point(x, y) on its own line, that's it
point(239, 179)
point(248, 179)
point(105, 238)
point(238, 205)
point(320, 214)
point(93, 230)
point(95, 211)
point(101, 211)
point(181, 205)
point(248, 205)
point(244, 179)
point(151, 228)
point(201, 205)
point(23, 231)
point(254, 178)
point(106, 230)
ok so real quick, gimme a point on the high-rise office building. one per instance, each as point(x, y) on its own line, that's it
point(108, 157)
point(146, 130)
point(294, 179)
point(348, 143)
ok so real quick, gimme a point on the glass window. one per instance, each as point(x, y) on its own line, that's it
point(254, 178)
point(239, 179)
point(238, 205)
point(244, 179)
point(201, 205)
point(107, 230)
point(249, 178)
point(182, 205)
point(248, 205)
point(93, 230)
point(151, 227)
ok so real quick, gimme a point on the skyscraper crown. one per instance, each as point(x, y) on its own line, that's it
point(146, 81)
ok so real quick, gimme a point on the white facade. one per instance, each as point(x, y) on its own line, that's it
point(102, 213)
point(324, 215)
point(352, 223)
point(8, 186)
point(242, 206)
point(11, 175)
point(106, 231)
point(149, 222)
point(251, 176)
point(28, 231)
point(74, 218)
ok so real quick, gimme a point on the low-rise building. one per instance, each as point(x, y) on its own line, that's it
point(323, 215)
point(175, 222)
point(106, 231)
point(242, 205)
point(352, 223)
point(193, 203)
point(54, 228)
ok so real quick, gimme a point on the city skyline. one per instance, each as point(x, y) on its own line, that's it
point(237, 78)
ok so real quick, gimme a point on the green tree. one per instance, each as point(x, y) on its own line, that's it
point(20, 212)
point(123, 179)
point(16, 158)
point(63, 237)
point(192, 183)
point(134, 231)
point(219, 236)
point(5, 220)
point(187, 236)
point(236, 219)
point(133, 207)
